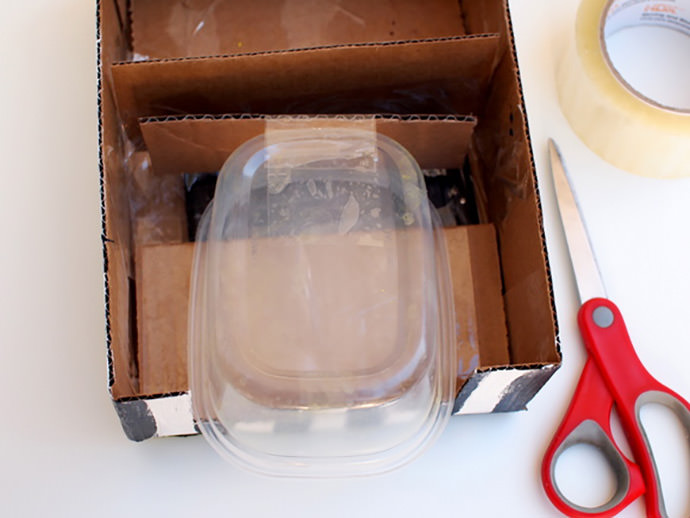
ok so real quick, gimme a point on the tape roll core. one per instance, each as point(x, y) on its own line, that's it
point(659, 14)
point(616, 121)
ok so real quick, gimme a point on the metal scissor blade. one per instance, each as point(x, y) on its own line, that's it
point(589, 283)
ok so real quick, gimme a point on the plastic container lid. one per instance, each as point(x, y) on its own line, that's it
point(321, 324)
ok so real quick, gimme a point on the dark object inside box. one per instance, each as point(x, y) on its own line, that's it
point(199, 191)
point(450, 191)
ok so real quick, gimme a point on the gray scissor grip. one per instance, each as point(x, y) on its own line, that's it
point(590, 432)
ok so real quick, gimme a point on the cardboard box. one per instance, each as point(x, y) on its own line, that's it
point(177, 95)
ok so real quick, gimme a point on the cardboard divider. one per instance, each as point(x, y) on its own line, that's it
point(164, 29)
point(501, 158)
point(202, 144)
point(482, 339)
point(429, 76)
point(163, 273)
point(162, 305)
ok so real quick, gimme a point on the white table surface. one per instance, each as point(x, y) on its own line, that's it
point(62, 451)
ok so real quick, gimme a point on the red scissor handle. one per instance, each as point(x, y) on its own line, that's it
point(588, 421)
point(612, 375)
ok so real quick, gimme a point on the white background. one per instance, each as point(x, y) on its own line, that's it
point(62, 451)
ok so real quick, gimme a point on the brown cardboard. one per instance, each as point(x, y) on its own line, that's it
point(121, 342)
point(488, 301)
point(148, 191)
point(463, 71)
point(160, 27)
point(162, 296)
point(122, 366)
point(162, 302)
point(192, 144)
point(454, 69)
point(503, 158)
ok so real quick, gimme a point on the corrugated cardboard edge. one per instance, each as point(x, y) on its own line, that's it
point(101, 188)
point(202, 143)
point(315, 48)
point(375, 116)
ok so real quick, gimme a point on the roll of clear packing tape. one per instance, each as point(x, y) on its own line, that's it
point(617, 122)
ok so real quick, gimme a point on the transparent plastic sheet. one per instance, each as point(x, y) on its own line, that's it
point(123, 361)
point(451, 191)
point(377, 57)
point(163, 212)
point(307, 258)
point(183, 146)
point(512, 154)
point(499, 157)
point(157, 204)
point(420, 98)
point(452, 194)
point(195, 28)
point(149, 210)
point(165, 30)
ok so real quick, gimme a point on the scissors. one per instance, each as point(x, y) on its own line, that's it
point(612, 375)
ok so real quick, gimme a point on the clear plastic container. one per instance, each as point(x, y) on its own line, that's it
point(321, 321)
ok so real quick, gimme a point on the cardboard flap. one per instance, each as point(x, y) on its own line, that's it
point(202, 144)
point(431, 76)
point(501, 154)
point(122, 365)
point(165, 29)
point(488, 298)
